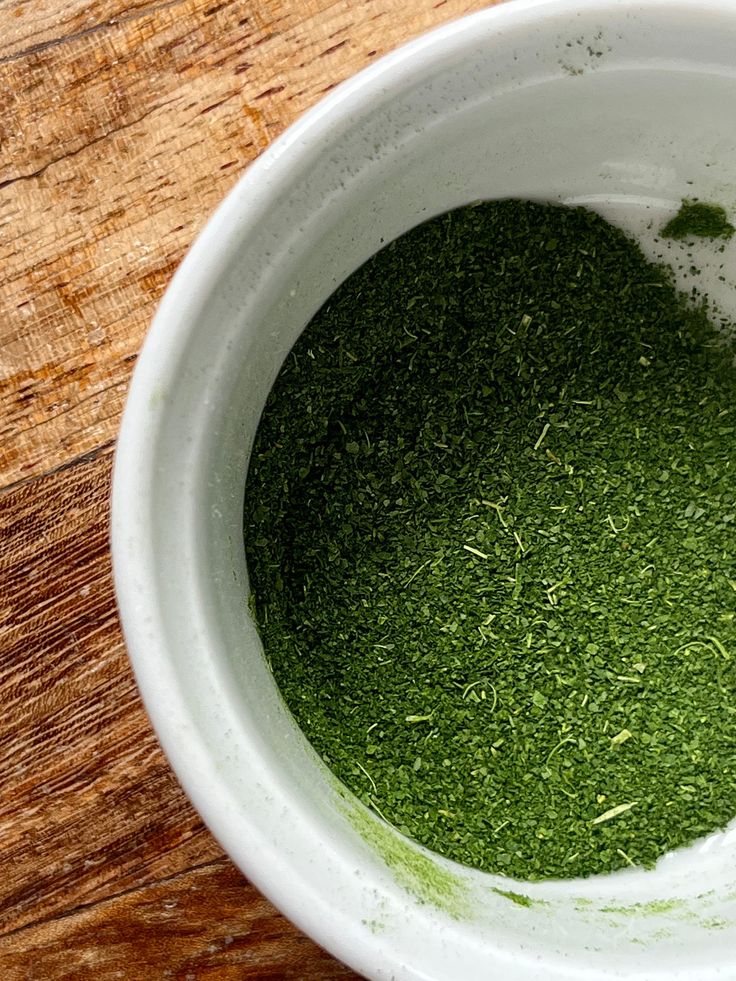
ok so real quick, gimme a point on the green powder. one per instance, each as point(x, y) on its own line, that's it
point(517, 898)
point(695, 219)
point(489, 525)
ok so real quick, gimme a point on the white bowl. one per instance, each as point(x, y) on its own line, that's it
point(627, 106)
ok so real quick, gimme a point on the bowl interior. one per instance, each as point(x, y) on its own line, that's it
point(626, 107)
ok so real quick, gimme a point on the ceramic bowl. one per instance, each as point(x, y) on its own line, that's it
point(625, 106)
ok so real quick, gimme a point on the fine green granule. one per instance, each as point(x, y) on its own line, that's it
point(696, 219)
point(489, 526)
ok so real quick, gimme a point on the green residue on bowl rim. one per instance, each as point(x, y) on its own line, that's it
point(680, 909)
point(519, 898)
point(375, 926)
point(583, 904)
point(697, 219)
point(715, 923)
point(421, 876)
point(654, 907)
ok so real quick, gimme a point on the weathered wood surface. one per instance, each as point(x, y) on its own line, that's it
point(89, 806)
point(206, 923)
point(122, 124)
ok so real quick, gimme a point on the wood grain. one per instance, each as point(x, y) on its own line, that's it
point(89, 806)
point(205, 924)
point(114, 148)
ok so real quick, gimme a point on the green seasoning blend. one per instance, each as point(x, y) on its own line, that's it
point(490, 530)
point(695, 219)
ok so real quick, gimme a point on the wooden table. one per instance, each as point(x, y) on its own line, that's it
point(122, 124)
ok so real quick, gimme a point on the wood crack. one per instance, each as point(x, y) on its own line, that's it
point(89, 457)
point(80, 149)
point(87, 32)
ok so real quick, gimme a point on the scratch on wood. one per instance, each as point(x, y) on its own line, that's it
point(80, 149)
point(215, 105)
point(274, 90)
point(335, 47)
point(105, 25)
